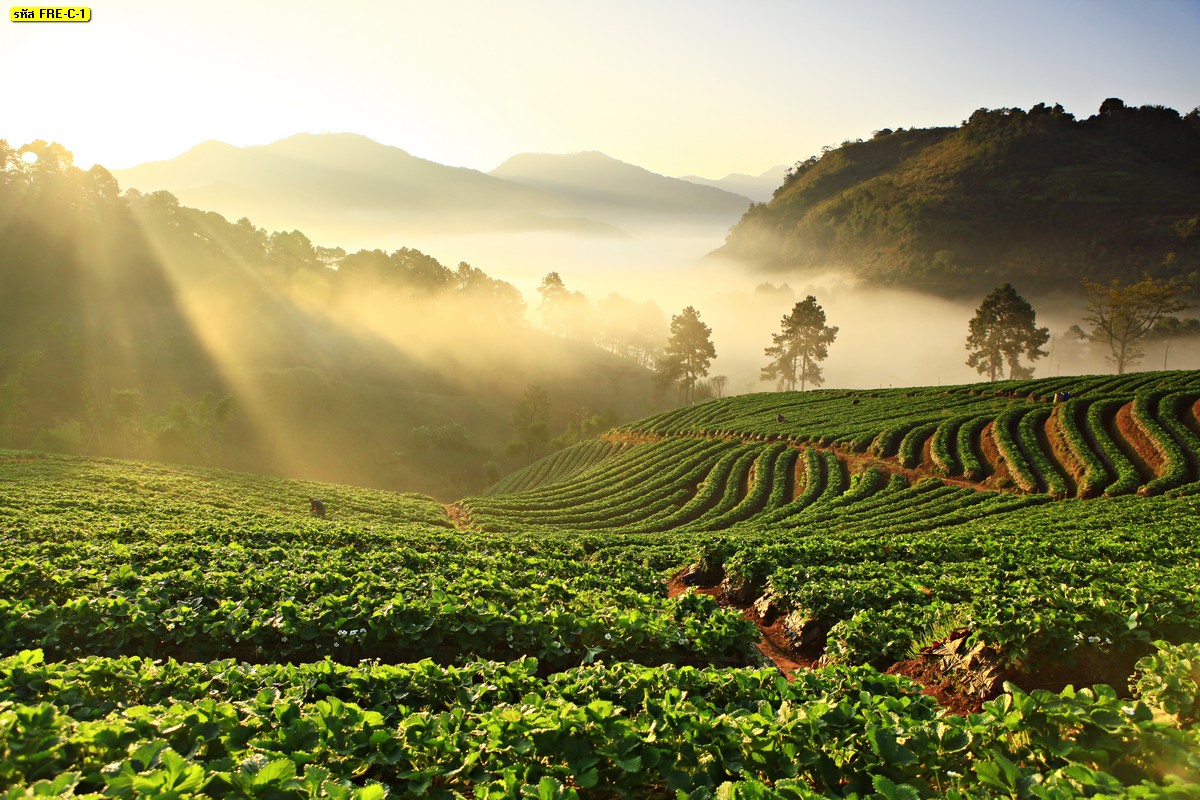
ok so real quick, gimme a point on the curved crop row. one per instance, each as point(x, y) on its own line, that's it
point(1099, 415)
point(1146, 413)
point(1095, 475)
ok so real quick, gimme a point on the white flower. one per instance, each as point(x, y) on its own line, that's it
point(1129, 710)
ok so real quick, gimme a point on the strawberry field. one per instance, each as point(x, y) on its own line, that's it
point(976, 591)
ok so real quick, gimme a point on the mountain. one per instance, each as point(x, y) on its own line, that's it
point(321, 181)
point(335, 186)
point(1036, 198)
point(598, 186)
point(758, 188)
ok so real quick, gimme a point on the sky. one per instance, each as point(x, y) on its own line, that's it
point(682, 88)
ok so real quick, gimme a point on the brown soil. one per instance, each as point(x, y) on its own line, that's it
point(991, 454)
point(458, 515)
point(1063, 454)
point(937, 685)
point(799, 478)
point(1051, 440)
point(777, 646)
point(927, 456)
point(1137, 445)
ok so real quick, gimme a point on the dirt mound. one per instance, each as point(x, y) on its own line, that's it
point(1141, 450)
point(458, 515)
point(938, 685)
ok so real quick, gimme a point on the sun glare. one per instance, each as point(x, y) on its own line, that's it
point(29, 157)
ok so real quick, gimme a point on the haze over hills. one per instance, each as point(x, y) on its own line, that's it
point(1034, 198)
point(600, 187)
point(344, 186)
point(758, 188)
point(133, 325)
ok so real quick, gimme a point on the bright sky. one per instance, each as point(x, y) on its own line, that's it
point(676, 86)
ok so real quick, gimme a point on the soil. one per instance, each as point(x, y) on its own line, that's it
point(937, 685)
point(776, 645)
point(1051, 439)
point(927, 456)
point(1138, 446)
point(458, 515)
point(991, 454)
point(1063, 454)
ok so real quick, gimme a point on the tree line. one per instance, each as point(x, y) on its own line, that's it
point(1004, 331)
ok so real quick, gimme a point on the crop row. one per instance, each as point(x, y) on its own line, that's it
point(129, 727)
point(557, 467)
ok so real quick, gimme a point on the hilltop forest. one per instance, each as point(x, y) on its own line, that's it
point(133, 326)
point(1036, 198)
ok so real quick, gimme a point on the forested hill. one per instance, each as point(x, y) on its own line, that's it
point(1036, 198)
point(134, 326)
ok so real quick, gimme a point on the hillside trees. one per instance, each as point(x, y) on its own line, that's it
point(803, 341)
point(630, 329)
point(689, 352)
point(1120, 314)
point(564, 312)
point(1003, 329)
point(531, 419)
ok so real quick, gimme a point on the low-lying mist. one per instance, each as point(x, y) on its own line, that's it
point(886, 337)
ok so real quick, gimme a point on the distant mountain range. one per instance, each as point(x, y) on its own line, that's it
point(1035, 198)
point(322, 183)
point(758, 188)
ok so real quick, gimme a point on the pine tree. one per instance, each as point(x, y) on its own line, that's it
point(1005, 328)
point(803, 341)
point(689, 351)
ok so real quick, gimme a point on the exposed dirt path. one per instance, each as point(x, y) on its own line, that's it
point(926, 464)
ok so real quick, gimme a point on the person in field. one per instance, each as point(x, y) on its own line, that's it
point(316, 507)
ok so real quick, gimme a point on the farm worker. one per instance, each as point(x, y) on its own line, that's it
point(316, 508)
point(779, 418)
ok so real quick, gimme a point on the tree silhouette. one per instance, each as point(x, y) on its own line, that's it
point(1004, 328)
point(1120, 315)
point(689, 351)
point(803, 341)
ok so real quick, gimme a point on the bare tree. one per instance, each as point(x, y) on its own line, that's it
point(1122, 314)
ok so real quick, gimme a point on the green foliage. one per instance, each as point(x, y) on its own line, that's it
point(1035, 197)
point(1169, 679)
point(121, 317)
point(192, 632)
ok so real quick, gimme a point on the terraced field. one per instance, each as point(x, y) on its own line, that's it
point(931, 569)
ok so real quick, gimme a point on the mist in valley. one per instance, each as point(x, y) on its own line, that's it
point(886, 337)
point(412, 358)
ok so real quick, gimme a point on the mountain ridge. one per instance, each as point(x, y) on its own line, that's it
point(316, 181)
point(1035, 198)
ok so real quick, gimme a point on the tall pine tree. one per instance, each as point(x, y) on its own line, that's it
point(1005, 328)
point(803, 341)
